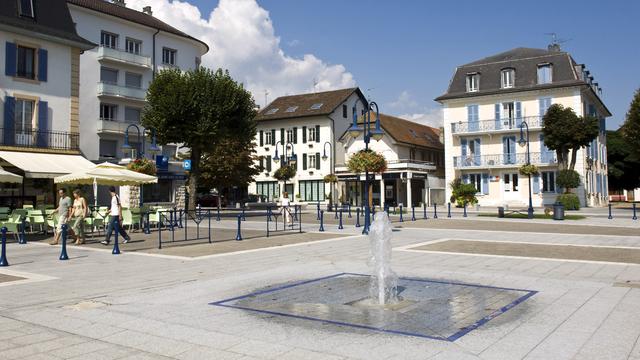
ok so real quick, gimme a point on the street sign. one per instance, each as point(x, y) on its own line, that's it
point(186, 164)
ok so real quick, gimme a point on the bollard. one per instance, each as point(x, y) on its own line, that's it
point(401, 219)
point(340, 224)
point(357, 217)
point(238, 234)
point(349, 206)
point(63, 254)
point(634, 212)
point(321, 220)
point(3, 251)
point(448, 209)
point(22, 239)
point(464, 209)
point(244, 217)
point(610, 217)
point(394, 209)
point(413, 213)
point(218, 214)
point(435, 211)
point(147, 230)
point(336, 213)
point(116, 248)
point(318, 210)
point(424, 210)
point(386, 208)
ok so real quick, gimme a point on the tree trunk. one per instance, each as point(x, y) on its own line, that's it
point(574, 154)
point(194, 176)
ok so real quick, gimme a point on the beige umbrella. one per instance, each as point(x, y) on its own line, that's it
point(7, 177)
point(106, 174)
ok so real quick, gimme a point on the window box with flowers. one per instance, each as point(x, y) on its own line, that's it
point(143, 166)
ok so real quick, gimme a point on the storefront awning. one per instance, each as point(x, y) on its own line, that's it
point(45, 166)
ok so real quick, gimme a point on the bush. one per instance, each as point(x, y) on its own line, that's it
point(568, 179)
point(569, 200)
point(367, 160)
point(463, 193)
point(143, 166)
point(331, 178)
point(529, 169)
point(285, 173)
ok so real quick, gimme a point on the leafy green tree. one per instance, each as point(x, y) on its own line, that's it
point(565, 132)
point(198, 108)
point(623, 166)
point(631, 126)
point(568, 179)
point(229, 162)
point(462, 193)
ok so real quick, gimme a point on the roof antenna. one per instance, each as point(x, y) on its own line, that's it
point(315, 84)
point(555, 42)
point(266, 94)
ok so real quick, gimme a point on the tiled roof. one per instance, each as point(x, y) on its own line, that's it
point(408, 132)
point(303, 105)
point(132, 15)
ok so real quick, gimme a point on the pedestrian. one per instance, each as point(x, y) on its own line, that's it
point(285, 207)
point(79, 212)
point(115, 219)
point(62, 212)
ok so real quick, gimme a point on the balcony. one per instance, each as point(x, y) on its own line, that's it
point(124, 57)
point(40, 139)
point(111, 126)
point(410, 164)
point(503, 160)
point(121, 92)
point(499, 125)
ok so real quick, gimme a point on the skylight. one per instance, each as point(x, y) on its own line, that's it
point(272, 111)
point(291, 109)
point(413, 133)
point(316, 106)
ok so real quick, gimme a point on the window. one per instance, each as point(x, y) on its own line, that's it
point(26, 8)
point(510, 182)
point(316, 106)
point(545, 74)
point(168, 56)
point(108, 148)
point(109, 76)
point(269, 189)
point(313, 162)
point(476, 180)
point(24, 116)
point(312, 134)
point(268, 140)
point(133, 46)
point(507, 77)
point(291, 109)
point(272, 111)
point(26, 66)
point(108, 112)
point(290, 136)
point(162, 191)
point(344, 111)
point(109, 40)
point(311, 190)
point(548, 181)
point(473, 82)
point(133, 80)
point(132, 115)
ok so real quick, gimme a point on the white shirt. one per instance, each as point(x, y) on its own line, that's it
point(114, 206)
point(285, 202)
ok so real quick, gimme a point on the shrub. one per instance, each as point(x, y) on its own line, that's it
point(568, 179)
point(285, 173)
point(463, 193)
point(569, 200)
point(529, 169)
point(367, 160)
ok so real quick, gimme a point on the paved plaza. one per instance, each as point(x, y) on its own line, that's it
point(266, 298)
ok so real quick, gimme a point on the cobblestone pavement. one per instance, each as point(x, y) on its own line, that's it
point(137, 306)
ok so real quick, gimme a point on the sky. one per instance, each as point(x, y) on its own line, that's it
point(402, 54)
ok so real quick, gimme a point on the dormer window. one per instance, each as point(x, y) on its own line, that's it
point(473, 82)
point(26, 8)
point(507, 78)
point(272, 111)
point(545, 73)
point(291, 109)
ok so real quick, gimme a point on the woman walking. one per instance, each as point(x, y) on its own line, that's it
point(78, 214)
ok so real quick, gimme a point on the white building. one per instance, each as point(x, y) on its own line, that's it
point(483, 108)
point(133, 47)
point(39, 89)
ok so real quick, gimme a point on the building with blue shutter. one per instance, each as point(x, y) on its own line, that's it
point(39, 92)
point(483, 108)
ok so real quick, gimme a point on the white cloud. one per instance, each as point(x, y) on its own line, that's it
point(406, 107)
point(431, 117)
point(294, 43)
point(404, 101)
point(242, 39)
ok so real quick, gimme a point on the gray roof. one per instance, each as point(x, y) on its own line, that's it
point(525, 62)
point(303, 104)
point(51, 21)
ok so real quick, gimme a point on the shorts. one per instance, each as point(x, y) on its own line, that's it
point(61, 221)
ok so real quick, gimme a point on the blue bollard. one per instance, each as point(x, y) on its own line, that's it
point(318, 210)
point(424, 210)
point(22, 239)
point(610, 216)
point(340, 224)
point(350, 211)
point(448, 209)
point(3, 251)
point(218, 214)
point(321, 220)
point(116, 248)
point(336, 213)
point(464, 209)
point(634, 212)
point(357, 217)
point(244, 217)
point(435, 211)
point(238, 234)
point(413, 213)
point(401, 219)
point(63, 254)
point(147, 230)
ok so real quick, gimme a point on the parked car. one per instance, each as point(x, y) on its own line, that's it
point(211, 200)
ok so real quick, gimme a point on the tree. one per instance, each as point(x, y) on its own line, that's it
point(564, 131)
point(284, 173)
point(229, 162)
point(623, 166)
point(198, 108)
point(631, 126)
point(462, 193)
point(568, 179)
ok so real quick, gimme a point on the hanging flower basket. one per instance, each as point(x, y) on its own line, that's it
point(143, 166)
point(331, 178)
point(367, 160)
point(529, 169)
point(285, 173)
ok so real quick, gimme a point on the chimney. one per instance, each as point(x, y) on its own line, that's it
point(554, 47)
point(119, 3)
point(147, 10)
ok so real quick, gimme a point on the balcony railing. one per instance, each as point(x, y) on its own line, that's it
point(125, 92)
point(39, 139)
point(495, 125)
point(504, 160)
point(124, 57)
point(112, 126)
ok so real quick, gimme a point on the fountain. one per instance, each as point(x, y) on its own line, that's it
point(383, 285)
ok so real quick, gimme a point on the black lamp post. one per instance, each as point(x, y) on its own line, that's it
point(522, 142)
point(291, 159)
point(333, 164)
point(141, 142)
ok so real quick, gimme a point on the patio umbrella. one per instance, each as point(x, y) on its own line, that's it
point(7, 177)
point(105, 174)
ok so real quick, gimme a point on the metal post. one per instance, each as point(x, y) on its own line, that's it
point(448, 209)
point(268, 219)
point(435, 211)
point(321, 220)
point(336, 213)
point(238, 234)
point(147, 230)
point(464, 209)
point(634, 212)
point(424, 210)
point(386, 208)
point(413, 213)
point(610, 216)
point(22, 239)
point(318, 209)
point(300, 222)
point(159, 230)
point(63, 253)
point(3, 251)
point(209, 217)
point(401, 218)
point(218, 212)
point(116, 248)
point(244, 217)
point(340, 224)
point(183, 212)
point(357, 217)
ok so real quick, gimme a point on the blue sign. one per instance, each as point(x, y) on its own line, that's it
point(186, 164)
point(162, 163)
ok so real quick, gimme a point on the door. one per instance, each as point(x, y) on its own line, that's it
point(508, 115)
point(510, 186)
point(24, 122)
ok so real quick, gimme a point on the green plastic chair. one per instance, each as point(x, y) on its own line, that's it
point(12, 227)
point(36, 217)
point(52, 221)
point(27, 207)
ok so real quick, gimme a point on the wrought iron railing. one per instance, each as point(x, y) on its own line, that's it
point(40, 139)
point(539, 158)
point(495, 124)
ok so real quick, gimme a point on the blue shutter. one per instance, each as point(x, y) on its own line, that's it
point(42, 64)
point(485, 184)
point(472, 117)
point(10, 59)
point(477, 158)
point(463, 147)
point(42, 139)
point(505, 151)
point(518, 113)
point(497, 116)
point(536, 184)
point(512, 150)
point(9, 120)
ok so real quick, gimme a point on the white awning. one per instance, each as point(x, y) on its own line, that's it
point(45, 166)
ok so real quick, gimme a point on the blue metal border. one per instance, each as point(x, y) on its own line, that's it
point(454, 337)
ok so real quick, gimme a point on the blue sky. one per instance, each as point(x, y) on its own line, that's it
point(406, 51)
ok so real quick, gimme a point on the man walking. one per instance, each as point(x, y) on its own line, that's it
point(115, 221)
point(63, 210)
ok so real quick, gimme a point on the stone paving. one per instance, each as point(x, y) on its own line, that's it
point(148, 306)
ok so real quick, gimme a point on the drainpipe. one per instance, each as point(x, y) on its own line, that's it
point(154, 53)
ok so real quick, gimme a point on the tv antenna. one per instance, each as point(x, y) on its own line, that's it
point(315, 84)
point(266, 94)
point(555, 41)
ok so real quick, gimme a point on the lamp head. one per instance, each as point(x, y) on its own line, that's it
point(522, 142)
point(377, 134)
point(354, 131)
point(324, 157)
point(293, 159)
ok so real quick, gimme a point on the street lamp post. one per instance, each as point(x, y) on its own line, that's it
point(368, 133)
point(332, 165)
point(522, 142)
point(291, 159)
point(141, 141)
